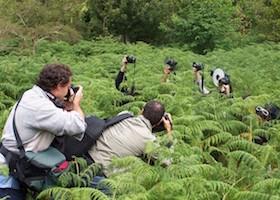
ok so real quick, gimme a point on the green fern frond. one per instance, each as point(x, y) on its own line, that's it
point(261, 132)
point(181, 171)
point(234, 126)
point(88, 174)
point(135, 196)
point(205, 125)
point(208, 195)
point(220, 187)
point(254, 196)
point(69, 179)
point(77, 165)
point(55, 193)
point(187, 120)
point(9, 89)
point(146, 175)
point(165, 190)
point(87, 193)
point(247, 158)
point(266, 186)
point(126, 161)
point(208, 115)
point(217, 139)
point(123, 184)
point(109, 183)
point(241, 144)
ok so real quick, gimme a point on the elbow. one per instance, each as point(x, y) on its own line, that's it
point(76, 125)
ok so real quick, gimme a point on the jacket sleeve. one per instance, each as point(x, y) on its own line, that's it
point(60, 122)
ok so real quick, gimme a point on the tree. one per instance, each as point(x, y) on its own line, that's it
point(200, 23)
point(132, 20)
point(31, 21)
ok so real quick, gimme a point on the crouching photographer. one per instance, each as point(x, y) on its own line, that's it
point(37, 118)
point(222, 81)
point(130, 136)
point(266, 113)
point(169, 67)
point(122, 78)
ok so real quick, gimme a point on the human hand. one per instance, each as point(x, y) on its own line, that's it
point(68, 106)
point(167, 122)
point(166, 70)
point(78, 96)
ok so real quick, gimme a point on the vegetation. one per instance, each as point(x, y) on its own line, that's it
point(213, 154)
point(197, 25)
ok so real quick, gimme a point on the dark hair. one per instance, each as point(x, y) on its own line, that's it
point(153, 111)
point(52, 75)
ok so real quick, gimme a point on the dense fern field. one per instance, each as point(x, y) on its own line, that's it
point(213, 154)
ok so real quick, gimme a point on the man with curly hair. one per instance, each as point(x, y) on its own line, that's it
point(42, 114)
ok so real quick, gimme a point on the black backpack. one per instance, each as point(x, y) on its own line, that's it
point(70, 146)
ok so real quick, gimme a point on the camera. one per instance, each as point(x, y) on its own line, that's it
point(161, 127)
point(262, 112)
point(268, 112)
point(198, 66)
point(224, 81)
point(71, 93)
point(171, 63)
point(131, 59)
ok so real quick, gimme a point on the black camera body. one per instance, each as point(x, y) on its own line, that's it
point(171, 63)
point(71, 91)
point(131, 59)
point(225, 80)
point(268, 112)
point(161, 127)
point(198, 66)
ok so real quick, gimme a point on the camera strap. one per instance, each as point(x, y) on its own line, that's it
point(133, 79)
point(55, 101)
point(19, 141)
point(202, 81)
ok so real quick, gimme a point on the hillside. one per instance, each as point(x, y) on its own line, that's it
point(213, 153)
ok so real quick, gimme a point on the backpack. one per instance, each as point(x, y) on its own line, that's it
point(95, 128)
point(34, 170)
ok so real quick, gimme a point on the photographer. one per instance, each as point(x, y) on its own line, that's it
point(266, 113)
point(225, 86)
point(222, 81)
point(170, 65)
point(199, 78)
point(129, 137)
point(121, 77)
point(41, 114)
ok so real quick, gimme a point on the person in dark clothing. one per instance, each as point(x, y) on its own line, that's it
point(122, 79)
point(268, 112)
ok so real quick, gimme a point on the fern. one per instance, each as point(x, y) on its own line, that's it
point(241, 144)
point(55, 193)
point(234, 126)
point(72, 194)
point(88, 174)
point(217, 139)
point(254, 195)
point(181, 171)
point(69, 179)
point(267, 186)
point(247, 158)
